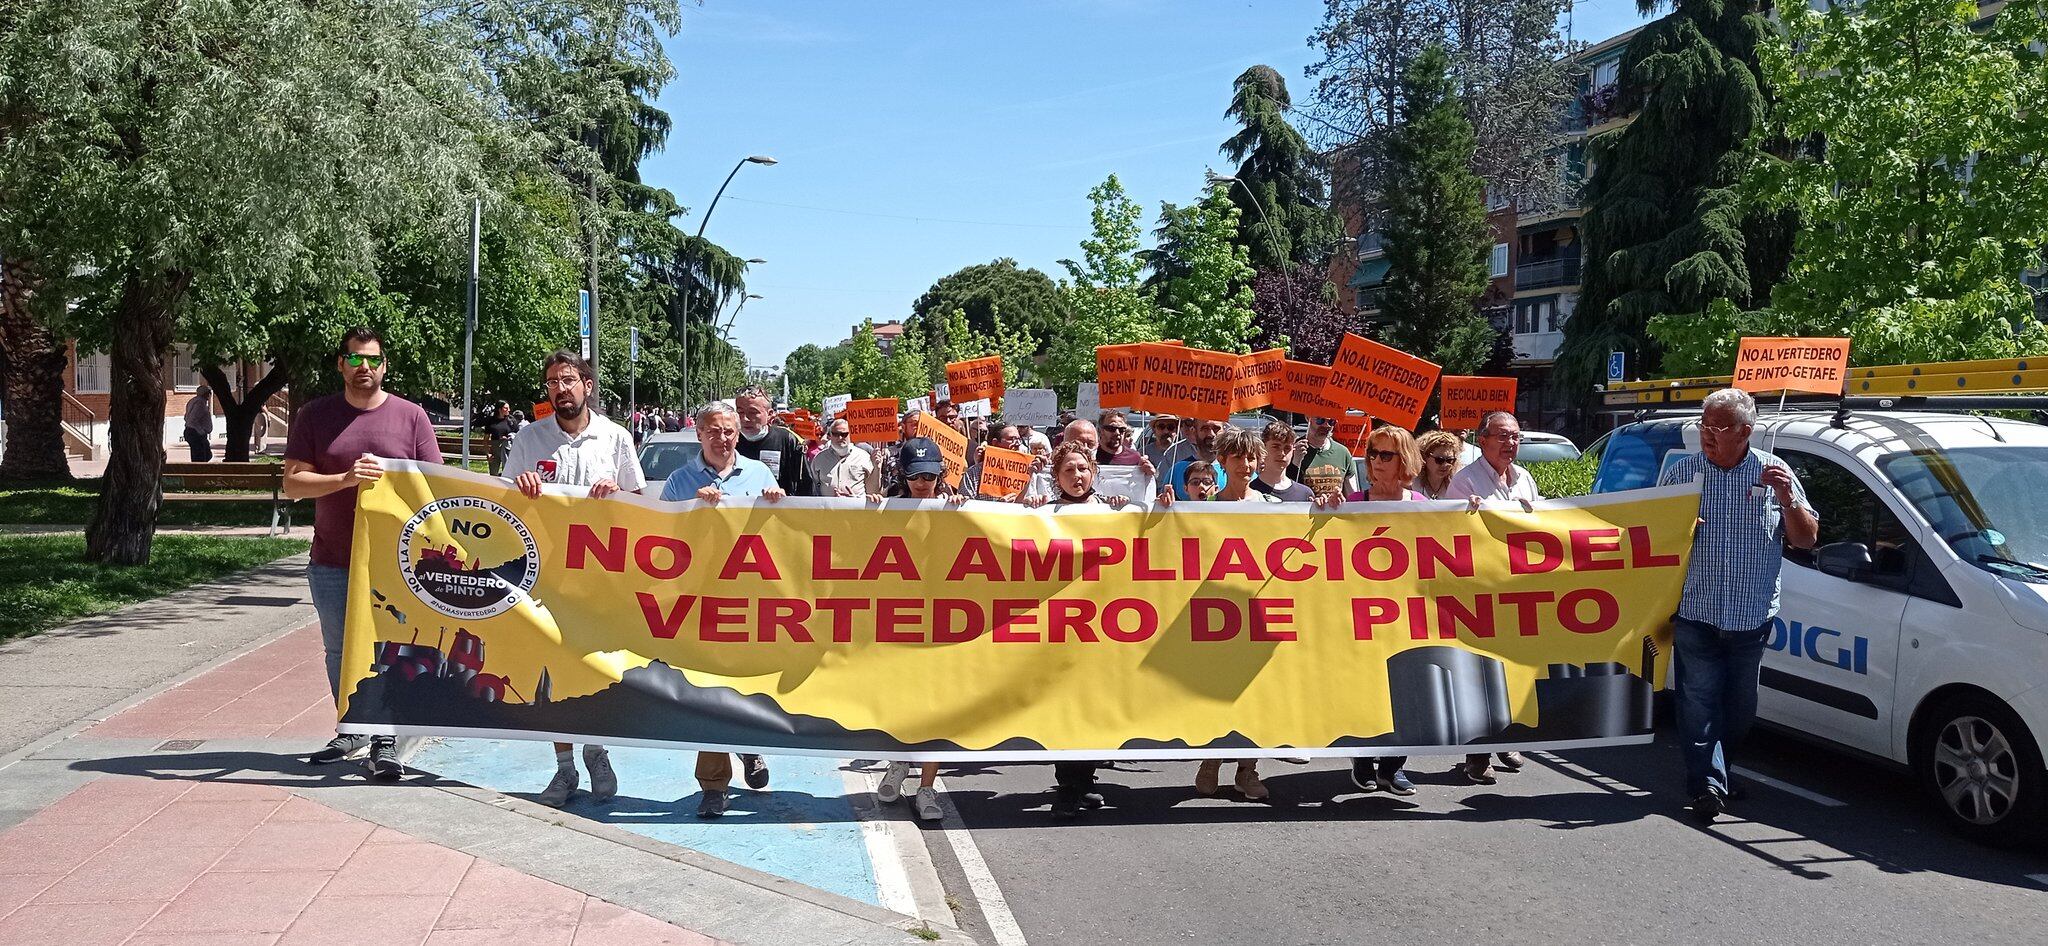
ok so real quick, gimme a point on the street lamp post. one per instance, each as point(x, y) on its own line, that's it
point(1286, 278)
point(725, 334)
point(689, 291)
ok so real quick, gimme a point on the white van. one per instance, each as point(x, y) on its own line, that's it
point(1917, 629)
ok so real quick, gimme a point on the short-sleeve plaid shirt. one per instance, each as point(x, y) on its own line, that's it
point(1737, 554)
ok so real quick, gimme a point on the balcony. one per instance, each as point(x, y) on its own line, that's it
point(1544, 274)
point(1370, 244)
point(1537, 346)
point(1369, 299)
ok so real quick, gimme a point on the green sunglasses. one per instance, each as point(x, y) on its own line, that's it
point(358, 359)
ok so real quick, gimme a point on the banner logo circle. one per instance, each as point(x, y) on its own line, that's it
point(468, 557)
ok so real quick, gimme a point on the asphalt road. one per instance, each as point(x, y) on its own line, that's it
point(1590, 847)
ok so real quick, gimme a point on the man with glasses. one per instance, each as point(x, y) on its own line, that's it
point(840, 468)
point(1496, 476)
point(1325, 467)
point(721, 473)
point(1114, 441)
point(574, 446)
point(335, 444)
point(1006, 436)
point(1751, 506)
point(774, 445)
point(1165, 433)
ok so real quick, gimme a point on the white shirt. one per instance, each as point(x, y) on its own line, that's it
point(855, 473)
point(1479, 479)
point(604, 450)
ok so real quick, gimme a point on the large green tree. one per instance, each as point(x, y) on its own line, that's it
point(1209, 305)
point(236, 143)
point(813, 373)
point(1106, 298)
point(1434, 226)
point(1667, 231)
point(1922, 192)
point(1027, 297)
point(863, 373)
point(1284, 217)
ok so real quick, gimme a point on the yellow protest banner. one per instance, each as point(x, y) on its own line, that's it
point(910, 631)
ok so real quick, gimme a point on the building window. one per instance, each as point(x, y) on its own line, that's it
point(1500, 261)
point(184, 370)
point(1496, 199)
point(1606, 74)
point(93, 372)
point(1536, 316)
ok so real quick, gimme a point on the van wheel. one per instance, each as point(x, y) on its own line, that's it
point(1983, 768)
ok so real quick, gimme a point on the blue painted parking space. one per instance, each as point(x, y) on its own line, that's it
point(802, 828)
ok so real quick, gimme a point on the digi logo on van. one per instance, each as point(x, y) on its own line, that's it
point(1822, 645)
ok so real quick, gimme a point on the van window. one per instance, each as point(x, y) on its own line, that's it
point(1634, 454)
point(1985, 502)
point(1849, 512)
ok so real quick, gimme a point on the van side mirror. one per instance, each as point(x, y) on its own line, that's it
point(1845, 560)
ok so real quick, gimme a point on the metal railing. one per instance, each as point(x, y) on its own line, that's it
point(1547, 273)
point(91, 418)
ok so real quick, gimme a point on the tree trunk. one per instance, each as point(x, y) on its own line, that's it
point(242, 414)
point(125, 522)
point(32, 362)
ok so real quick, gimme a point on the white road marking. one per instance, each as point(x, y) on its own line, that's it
point(896, 855)
point(1789, 788)
point(1001, 923)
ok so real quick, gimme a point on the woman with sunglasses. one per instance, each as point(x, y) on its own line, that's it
point(1391, 463)
point(1439, 449)
point(923, 478)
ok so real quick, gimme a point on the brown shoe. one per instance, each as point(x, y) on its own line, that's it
point(1248, 783)
point(1207, 775)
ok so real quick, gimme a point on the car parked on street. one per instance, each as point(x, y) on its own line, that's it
point(1916, 631)
point(665, 453)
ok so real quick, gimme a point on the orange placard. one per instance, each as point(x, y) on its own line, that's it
point(800, 422)
point(975, 379)
point(543, 410)
point(1813, 365)
point(1301, 390)
point(870, 421)
point(1467, 400)
point(1259, 379)
point(952, 446)
point(1116, 375)
point(1351, 431)
point(1004, 473)
point(1190, 382)
point(1387, 383)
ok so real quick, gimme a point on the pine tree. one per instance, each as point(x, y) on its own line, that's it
point(1289, 222)
point(1435, 225)
point(1667, 230)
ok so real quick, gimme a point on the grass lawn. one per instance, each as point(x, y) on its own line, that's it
point(46, 580)
point(60, 504)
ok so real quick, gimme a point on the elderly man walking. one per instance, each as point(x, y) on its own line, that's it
point(721, 473)
point(1751, 505)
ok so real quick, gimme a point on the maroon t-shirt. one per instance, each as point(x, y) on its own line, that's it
point(330, 434)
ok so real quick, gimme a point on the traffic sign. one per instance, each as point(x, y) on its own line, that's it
point(1617, 365)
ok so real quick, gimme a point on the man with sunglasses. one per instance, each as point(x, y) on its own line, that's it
point(335, 444)
point(1165, 432)
point(840, 468)
point(1751, 507)
point(1113, 446)
point(1495, 475)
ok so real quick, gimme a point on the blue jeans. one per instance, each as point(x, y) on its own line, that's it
point(1717, 679)
point(330, 602)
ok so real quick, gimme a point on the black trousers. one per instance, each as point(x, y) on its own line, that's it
point(1073, 779)
point(202, 448)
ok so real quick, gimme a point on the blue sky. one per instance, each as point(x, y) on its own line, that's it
point(915, 138)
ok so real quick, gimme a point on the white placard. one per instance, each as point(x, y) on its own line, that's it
point(944, 392)
point(836, 403)
point(978, 407)
point(1038, 407)
point(1087, 401)
point(1129, 482)
point(919, 404)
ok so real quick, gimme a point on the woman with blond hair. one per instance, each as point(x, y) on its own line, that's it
point(1439, 450)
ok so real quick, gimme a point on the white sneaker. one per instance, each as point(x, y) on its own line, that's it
point(604, 783)
point(558, 791)
point(892, 783)
point(928, 804)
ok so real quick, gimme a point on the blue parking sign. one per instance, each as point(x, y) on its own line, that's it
point(1617, 364)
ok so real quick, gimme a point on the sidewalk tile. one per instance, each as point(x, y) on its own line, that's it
point(496, 897)
point(114, 799)
point(204, 822)
point(313, 725)
point(75, 924)
point(298, 809)
point(229, 679)
point(606, 924)
point(21, 888)
point(524, 936)
point(39, 847)
point(416, 868)
point(265, 902)
point(203, 939)
point(390, 920)
point(231, 790)
point(134, 871)
point(303, 845)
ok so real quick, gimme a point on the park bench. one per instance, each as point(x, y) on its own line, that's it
point(229, 483)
